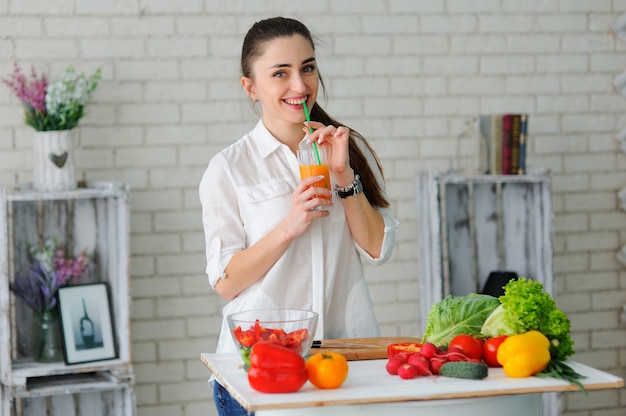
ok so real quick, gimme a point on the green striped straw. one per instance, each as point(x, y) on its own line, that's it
point(308, 118)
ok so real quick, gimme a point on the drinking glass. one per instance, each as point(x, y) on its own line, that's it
point(313, 162)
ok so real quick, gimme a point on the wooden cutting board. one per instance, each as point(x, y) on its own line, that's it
point(361, 348)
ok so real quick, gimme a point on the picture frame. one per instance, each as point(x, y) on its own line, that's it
point(86, 323)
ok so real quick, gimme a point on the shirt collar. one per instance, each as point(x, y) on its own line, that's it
point(265, 141)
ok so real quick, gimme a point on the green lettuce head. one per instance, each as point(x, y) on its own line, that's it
point(456, 315)
point(526, 307)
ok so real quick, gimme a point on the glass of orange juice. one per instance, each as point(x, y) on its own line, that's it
point(313, 162)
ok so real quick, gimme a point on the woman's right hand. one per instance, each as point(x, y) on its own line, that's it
point(303, 200)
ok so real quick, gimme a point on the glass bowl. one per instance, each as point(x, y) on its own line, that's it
point(291, 328)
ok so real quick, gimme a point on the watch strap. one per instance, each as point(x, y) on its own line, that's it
point(353, 189)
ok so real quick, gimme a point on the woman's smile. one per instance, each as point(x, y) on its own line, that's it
point(296, 103)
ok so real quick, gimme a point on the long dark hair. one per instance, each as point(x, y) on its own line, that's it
point(254, 46)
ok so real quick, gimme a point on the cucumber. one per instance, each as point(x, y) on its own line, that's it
point(464, 369)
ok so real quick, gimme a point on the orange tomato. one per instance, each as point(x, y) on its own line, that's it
point(327, 370)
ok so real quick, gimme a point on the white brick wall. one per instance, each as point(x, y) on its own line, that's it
point(406, 73)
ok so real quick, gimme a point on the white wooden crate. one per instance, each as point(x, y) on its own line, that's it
point(95, 218)
point(469, 226)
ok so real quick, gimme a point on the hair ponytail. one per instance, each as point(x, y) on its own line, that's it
point(371, 188)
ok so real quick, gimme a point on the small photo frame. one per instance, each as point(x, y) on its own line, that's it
point(86, 324)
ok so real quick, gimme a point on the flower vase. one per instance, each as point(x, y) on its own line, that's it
point(47, 337)
point(53, 164)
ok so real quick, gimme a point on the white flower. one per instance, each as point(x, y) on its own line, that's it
point(70, 91)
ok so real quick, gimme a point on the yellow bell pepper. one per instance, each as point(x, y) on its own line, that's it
point(524, 355)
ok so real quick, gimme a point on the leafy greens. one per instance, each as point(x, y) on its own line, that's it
point(525, 307)
point(456, 315)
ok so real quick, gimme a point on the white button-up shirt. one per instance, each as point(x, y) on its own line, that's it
point(245, 192)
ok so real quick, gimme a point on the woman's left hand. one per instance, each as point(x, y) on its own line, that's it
point(365, 222)
point(335, 140)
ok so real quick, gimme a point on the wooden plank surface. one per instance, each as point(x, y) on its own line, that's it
point(355, 349)
point(487, 242)
point(459, 240)
point(369, 383)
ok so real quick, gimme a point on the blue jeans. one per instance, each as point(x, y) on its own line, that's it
point(226, 405)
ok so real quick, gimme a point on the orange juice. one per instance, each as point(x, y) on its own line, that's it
point(317, 170)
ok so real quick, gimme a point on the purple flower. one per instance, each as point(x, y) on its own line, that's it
point(32, 93)
point(49, 270)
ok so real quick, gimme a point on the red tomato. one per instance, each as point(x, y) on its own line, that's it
point(490, 350)
point(466, 345)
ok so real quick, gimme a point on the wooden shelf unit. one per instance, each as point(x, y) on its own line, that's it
point(471, 225)
point(95, 218)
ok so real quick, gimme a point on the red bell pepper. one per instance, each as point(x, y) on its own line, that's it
point(405, 348)
point(276, 369)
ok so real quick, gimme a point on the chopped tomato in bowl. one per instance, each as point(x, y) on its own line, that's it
point(290, 328)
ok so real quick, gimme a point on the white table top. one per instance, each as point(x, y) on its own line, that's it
point(368, 382)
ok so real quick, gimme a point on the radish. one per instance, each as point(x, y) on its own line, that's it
point(436, 363)
point(420, 363)
point(428, 350)
point(407, 371)
point(455, 356)
point(393, 364)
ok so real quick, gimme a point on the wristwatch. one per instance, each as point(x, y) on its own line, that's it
point(353, 189)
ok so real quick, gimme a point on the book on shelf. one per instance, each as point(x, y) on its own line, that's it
point(507, 143)
point(491, 128)
point(522, 143)
point(506, 136)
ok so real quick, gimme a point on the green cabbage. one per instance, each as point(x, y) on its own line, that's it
point(456, 315)
point(526, 307)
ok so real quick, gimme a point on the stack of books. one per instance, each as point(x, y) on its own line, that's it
point(506, 136)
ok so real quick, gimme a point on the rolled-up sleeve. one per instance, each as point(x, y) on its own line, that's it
point(223, 229)
point(389, 240)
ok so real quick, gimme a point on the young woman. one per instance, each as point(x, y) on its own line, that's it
point(266, 246)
